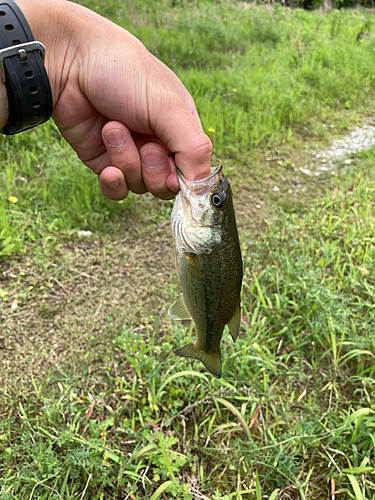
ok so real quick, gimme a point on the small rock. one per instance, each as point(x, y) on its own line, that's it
point(84, 234)
point(276, 188)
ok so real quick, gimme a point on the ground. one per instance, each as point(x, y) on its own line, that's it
point(55, 308)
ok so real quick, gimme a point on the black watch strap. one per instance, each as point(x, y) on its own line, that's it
point(21, 60)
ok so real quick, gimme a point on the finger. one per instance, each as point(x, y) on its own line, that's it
point(111, 180)
point(173, 183)
point(124, 155)
point(156, 170)
point(179, 87)
point(176, 126)
point(112, 183)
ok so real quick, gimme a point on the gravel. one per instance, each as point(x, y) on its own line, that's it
point(338, 153)
point(359, 139)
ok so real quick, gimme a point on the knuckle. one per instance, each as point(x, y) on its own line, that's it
point(131, 168)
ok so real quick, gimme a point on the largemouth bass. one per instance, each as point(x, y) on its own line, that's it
point(209, 265)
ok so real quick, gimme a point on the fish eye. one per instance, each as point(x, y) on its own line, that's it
point(218, 199)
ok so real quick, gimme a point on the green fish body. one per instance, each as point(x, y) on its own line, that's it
point(209, 265)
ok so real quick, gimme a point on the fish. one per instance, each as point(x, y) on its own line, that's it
point(209, 265)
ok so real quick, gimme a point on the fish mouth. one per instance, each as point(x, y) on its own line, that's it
point(192, 227)
point(198, 189)
point(201, 184)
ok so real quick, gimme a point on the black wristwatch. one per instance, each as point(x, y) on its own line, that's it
point(21, 61)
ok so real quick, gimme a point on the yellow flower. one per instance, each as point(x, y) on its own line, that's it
point(13, 199)
point(234, 90)
point(211, 129)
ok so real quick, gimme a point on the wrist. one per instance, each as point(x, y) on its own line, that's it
point(28, 92)
point(17, 101)
point(46, 21)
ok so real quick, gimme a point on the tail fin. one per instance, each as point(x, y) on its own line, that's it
point(211, 361)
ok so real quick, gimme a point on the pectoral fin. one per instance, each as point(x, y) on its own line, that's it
point(211, 361)
point(178, 309)
point(234, 323)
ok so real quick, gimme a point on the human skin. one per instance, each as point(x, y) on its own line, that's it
point(127, 116)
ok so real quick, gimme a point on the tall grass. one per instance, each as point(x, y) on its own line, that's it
point(256, 73)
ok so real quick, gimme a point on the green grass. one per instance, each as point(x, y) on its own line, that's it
point(56, 194)
point(296, 405)
point(289, 67)
point(294, 414)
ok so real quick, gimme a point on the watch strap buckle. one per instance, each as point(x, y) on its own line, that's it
point(20, 50)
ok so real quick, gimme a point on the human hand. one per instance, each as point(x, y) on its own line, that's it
point(127, 116)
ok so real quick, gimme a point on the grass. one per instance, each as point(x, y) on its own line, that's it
point(295, 409)
point(93, 402)
point(55, 194)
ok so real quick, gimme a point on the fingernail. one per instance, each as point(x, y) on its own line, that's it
point(112, 183)
point(115, 138)
point(152, 158)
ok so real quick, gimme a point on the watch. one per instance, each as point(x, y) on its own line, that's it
point(25, 77)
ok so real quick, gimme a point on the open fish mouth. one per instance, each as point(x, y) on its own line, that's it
point(206, 182)
point(198, 190)
point(191, 222)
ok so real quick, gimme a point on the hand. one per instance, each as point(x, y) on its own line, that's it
point(127, 116)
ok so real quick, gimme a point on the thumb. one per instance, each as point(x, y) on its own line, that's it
point(180, 130)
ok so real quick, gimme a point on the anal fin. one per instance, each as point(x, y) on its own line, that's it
point(234, 323)
point(211, 361)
